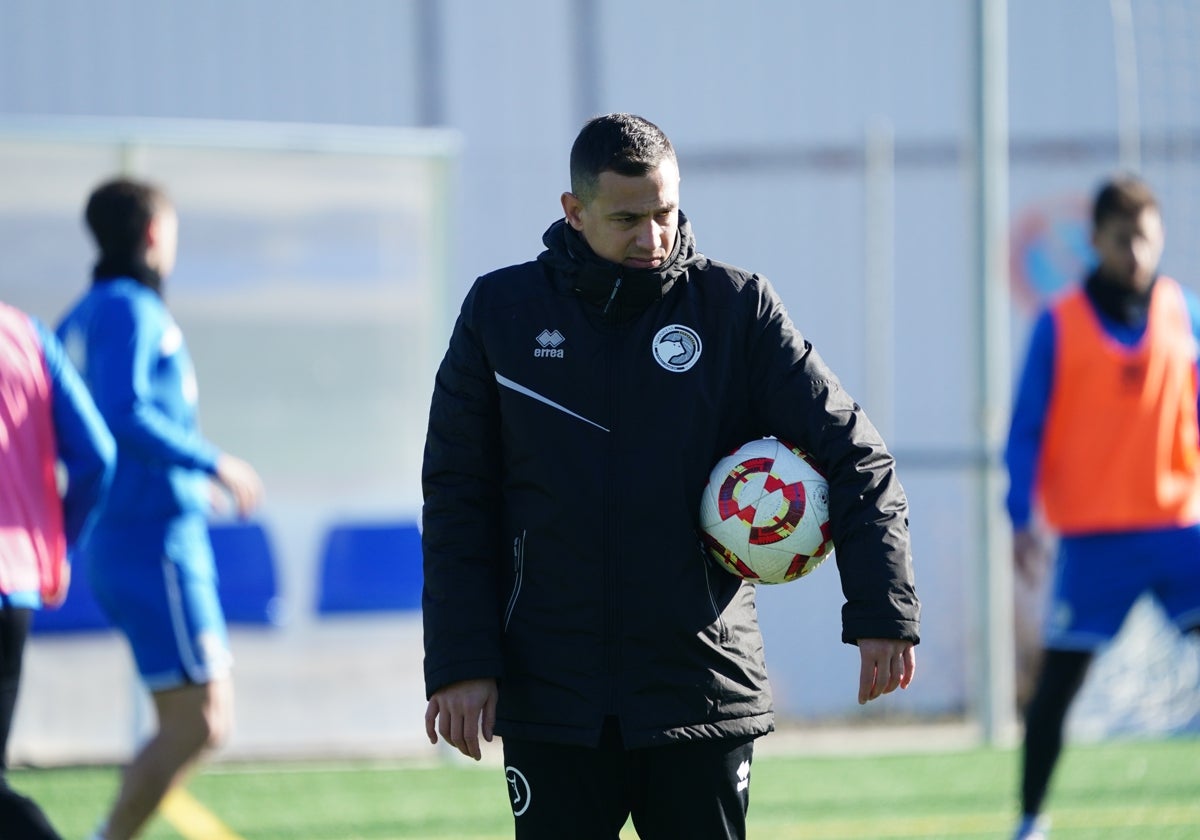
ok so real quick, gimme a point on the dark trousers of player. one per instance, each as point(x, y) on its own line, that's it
point(20, 817)
point(1061, 678)
point(695, 789)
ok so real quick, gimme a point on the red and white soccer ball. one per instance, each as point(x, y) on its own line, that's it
point(764, 515)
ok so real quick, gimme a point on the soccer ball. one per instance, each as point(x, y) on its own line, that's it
point(764, 515)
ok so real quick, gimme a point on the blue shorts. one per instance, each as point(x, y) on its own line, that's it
point(157, 583)
point(1100, 576)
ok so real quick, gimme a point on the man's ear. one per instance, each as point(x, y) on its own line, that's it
point(573, 210)
point(151, 233)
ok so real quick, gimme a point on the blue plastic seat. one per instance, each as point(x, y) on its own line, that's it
point(370, 567)
point(246, 580)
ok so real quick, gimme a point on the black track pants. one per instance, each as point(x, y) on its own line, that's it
point(1061, 678)
point(695, 789)
point(14, 628)
point(20, 817)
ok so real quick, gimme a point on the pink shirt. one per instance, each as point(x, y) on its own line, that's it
point(32, 542)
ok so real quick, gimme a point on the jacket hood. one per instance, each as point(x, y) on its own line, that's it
point(612, 287)
point(1113, 296)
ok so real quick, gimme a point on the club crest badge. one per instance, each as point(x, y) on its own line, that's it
point(519, 794)
point(676, 348)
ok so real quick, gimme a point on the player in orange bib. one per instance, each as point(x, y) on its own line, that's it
point(1105, 440)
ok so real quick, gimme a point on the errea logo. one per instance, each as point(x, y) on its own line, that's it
point(549, 341)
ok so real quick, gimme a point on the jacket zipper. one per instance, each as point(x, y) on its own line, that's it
point(613, 296)
point(518, 574)
point(610, 546)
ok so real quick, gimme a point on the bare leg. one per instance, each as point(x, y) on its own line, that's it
point(190, 720)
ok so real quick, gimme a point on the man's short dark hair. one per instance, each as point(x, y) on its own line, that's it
point(1124, 196)
point(118, 212)
point(622, 143)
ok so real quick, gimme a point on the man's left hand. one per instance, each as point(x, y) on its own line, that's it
point(887, 664)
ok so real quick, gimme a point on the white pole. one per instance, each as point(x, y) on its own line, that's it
point(996, 690)
point(1129, 136)
point(879, 274)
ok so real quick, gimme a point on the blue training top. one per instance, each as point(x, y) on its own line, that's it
point(1033, 399)
point(132, 355)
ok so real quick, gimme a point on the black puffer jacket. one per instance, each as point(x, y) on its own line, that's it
point(567, 450)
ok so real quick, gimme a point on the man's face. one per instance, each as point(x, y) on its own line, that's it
point(1130, 248)
point(631, 221)
point(162, 241)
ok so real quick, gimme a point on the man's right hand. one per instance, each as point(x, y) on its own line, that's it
point(242, 482)
point(1031, 554)
point(460, 711)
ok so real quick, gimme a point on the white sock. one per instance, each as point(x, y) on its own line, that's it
point(1032, 822)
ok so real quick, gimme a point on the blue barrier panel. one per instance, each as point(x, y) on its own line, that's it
point(246, 580)
point(79, 613)
point(370, 567)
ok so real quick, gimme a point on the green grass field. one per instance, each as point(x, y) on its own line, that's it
point(1115, 791)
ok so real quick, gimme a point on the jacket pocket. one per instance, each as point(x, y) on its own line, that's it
point(518, 553)
point(722, 632)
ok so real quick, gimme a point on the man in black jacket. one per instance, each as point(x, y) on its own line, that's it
point(568, 606)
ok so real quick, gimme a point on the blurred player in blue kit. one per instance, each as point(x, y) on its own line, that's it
point(47, 418)
point(1104, 436)
point(150, 561)
point(568, 605)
